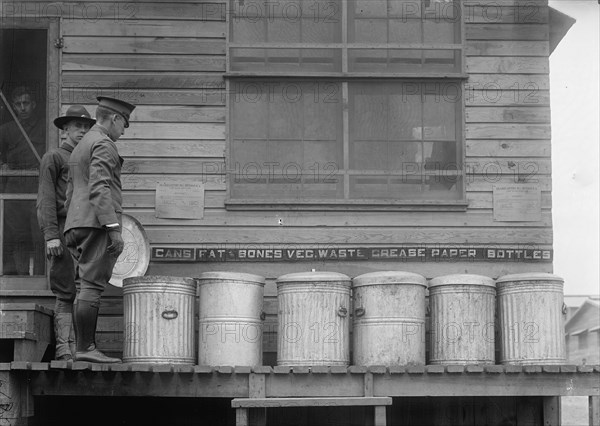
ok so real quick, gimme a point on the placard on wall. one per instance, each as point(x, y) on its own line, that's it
point(517, 203)
point(180, 200)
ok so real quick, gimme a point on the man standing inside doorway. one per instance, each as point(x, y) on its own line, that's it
point(22, 143)
point(51, 215)
point(93, 225)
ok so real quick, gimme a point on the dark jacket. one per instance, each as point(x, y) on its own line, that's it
point(52, 190)
point(94, 187)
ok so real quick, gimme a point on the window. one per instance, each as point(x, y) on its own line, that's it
point(345, 102)
point(28, 74)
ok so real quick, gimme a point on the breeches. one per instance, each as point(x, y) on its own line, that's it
point(94, 263)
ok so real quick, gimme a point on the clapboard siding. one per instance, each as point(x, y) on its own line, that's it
point(530, 114)
point(144, 79)
point(488, 176)
point(507, 65)
point(334, 219)
point(358, 236)
point(142, 96)
point(208, 166)
point(144, 45)
point(216, 200)
point(507, 48)
point(507, 148)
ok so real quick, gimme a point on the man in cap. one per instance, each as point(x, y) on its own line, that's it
point(51, 215)
point(93, 225)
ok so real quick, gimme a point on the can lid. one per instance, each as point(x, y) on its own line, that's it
point(529, 276)
point(233, 276)
point(462, 279)
point(303, 277)
point(389, 278)
point(152, 279)
point(134, 260)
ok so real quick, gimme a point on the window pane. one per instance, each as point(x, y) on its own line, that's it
point(393, 127)
point(317, 21)
point(278, 60)
point(403, 60)
point(23, 123)
point(405, 31)
point(299, 154)
point(440, 31)
point(23, 244)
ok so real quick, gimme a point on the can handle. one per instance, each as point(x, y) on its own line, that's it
point(359, 312)
point(342, 312)
point(263, 315)
point(169, 315)
point(564, 308)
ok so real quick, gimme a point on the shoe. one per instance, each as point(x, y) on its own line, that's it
point(95, 355)
point(65, 357)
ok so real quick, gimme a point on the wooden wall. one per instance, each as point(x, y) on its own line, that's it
point(169, 58)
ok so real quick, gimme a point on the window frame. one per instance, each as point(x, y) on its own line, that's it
point(345, 78)
point(17, 284)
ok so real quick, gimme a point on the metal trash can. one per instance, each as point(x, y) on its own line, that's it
point(462, 308)
point(531, 319)
point(159, 319)
point(389, 318)
point(230, 319)
point(313, 319)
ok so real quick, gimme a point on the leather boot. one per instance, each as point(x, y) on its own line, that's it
point(86, 317)
point(72, 344)
point(63, 322)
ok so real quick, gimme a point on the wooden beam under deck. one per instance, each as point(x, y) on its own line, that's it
point(88, 379)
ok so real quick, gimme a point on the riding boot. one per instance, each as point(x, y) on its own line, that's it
point(86, 317)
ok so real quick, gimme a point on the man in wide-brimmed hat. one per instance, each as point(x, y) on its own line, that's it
point(94, 210)
point(51, 214)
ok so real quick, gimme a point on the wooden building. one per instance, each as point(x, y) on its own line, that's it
point(331, 135)
point(582, 333)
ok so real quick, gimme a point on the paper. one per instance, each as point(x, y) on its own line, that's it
point(517, 203)
point(180, 200)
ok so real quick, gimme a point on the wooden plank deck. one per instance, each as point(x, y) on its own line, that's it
point(82, 378)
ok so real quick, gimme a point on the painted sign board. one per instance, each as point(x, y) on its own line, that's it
point(307, 254)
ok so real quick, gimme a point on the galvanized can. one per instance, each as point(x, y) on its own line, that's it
point(159, 319)
point(313, 319)
point(531, 319)
point(462, 326)
point(389, 318)
point(230, 319)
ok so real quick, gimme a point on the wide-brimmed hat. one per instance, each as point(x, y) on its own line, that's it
point(122, 108)
point(75, 112)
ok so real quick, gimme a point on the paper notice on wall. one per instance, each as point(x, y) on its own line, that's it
point(180, 200)
point(517, 203)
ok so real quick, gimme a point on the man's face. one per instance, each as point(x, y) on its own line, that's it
point(76, 129)
point(23, 106)
point(117, 128)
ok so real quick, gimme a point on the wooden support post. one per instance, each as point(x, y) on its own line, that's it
point(16, 401)
point(380, 416)
point(551, 410)
point(594, 407)
point(241, 417)
point(257, 389)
